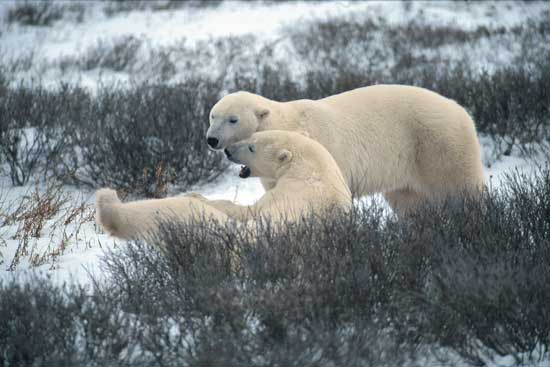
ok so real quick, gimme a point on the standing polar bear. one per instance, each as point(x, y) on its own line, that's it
point(305, 176)
point(408, 143)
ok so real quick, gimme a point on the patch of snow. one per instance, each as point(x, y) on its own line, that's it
point(465, 15)
point(76, 243)
point(232, 18)
point(497, 168)
point(231, 187)
point(170, 30)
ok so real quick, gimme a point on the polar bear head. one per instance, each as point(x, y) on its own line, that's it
point(236, 117)
point(266, 154)
point(299, 166)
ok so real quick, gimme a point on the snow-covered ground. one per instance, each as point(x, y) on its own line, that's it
point(70, 245)
point(76, 248)
point(83, 244)
point(235, 18)
point(49, 53)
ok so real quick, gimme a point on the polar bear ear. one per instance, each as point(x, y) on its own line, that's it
point(262, 113)
point(304, 133)
point(284, 156)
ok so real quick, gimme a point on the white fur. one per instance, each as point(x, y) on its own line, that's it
point(305, 177)
point(408, 143)
point(303, 174)
point(141, 219)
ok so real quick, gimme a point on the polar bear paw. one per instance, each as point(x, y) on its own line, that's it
point(106, 197)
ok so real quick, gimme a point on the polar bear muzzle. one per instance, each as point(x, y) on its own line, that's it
point(245, 172)
point(212, 142)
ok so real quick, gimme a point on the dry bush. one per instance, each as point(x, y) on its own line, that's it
point(34, 130)
point(38, 13)
point(139, 139)
point(142, 139)
point(43, 222)
point(123, 6)
point(120, 54)
point(467, 276)
point(359, 289)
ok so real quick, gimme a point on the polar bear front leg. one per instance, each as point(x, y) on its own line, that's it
point(242, 213)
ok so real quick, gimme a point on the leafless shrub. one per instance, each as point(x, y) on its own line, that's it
point(119, 54)
point(468, 277)
point(145, 138)
point(50, 214)
point(34, 128)
point(139, 140)
point(37, 13)
point(122, 6)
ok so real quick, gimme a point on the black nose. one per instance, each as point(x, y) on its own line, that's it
point(227, 154)
point(213, 142)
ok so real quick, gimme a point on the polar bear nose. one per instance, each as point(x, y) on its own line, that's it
point(213, 142)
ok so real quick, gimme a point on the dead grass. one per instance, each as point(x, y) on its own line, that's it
point(44, 223)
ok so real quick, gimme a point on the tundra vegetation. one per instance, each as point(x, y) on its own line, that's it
point(462, 281)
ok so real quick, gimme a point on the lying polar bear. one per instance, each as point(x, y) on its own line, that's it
point(408, 143)
point(305, 177)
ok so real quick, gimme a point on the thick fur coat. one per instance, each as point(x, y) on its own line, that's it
point(140, 220)
point(408, 143)
point(305, 178)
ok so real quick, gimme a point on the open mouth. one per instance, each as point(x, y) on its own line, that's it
point(245, 172)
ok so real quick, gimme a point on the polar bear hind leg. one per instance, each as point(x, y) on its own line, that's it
point(404, 201)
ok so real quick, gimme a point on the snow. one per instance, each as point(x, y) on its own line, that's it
point(46, 48)
point(466, 15)
point(86, 243)
point(237, 18)
point(77, 240)
point(266, 22)
point(231, 187)
point(83, 254)
point(163, 28)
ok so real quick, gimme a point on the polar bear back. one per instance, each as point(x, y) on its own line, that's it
point(405, 142)
point(389, 137)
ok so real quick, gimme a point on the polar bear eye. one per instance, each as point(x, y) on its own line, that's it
point(233, 120)
point(251, 148)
